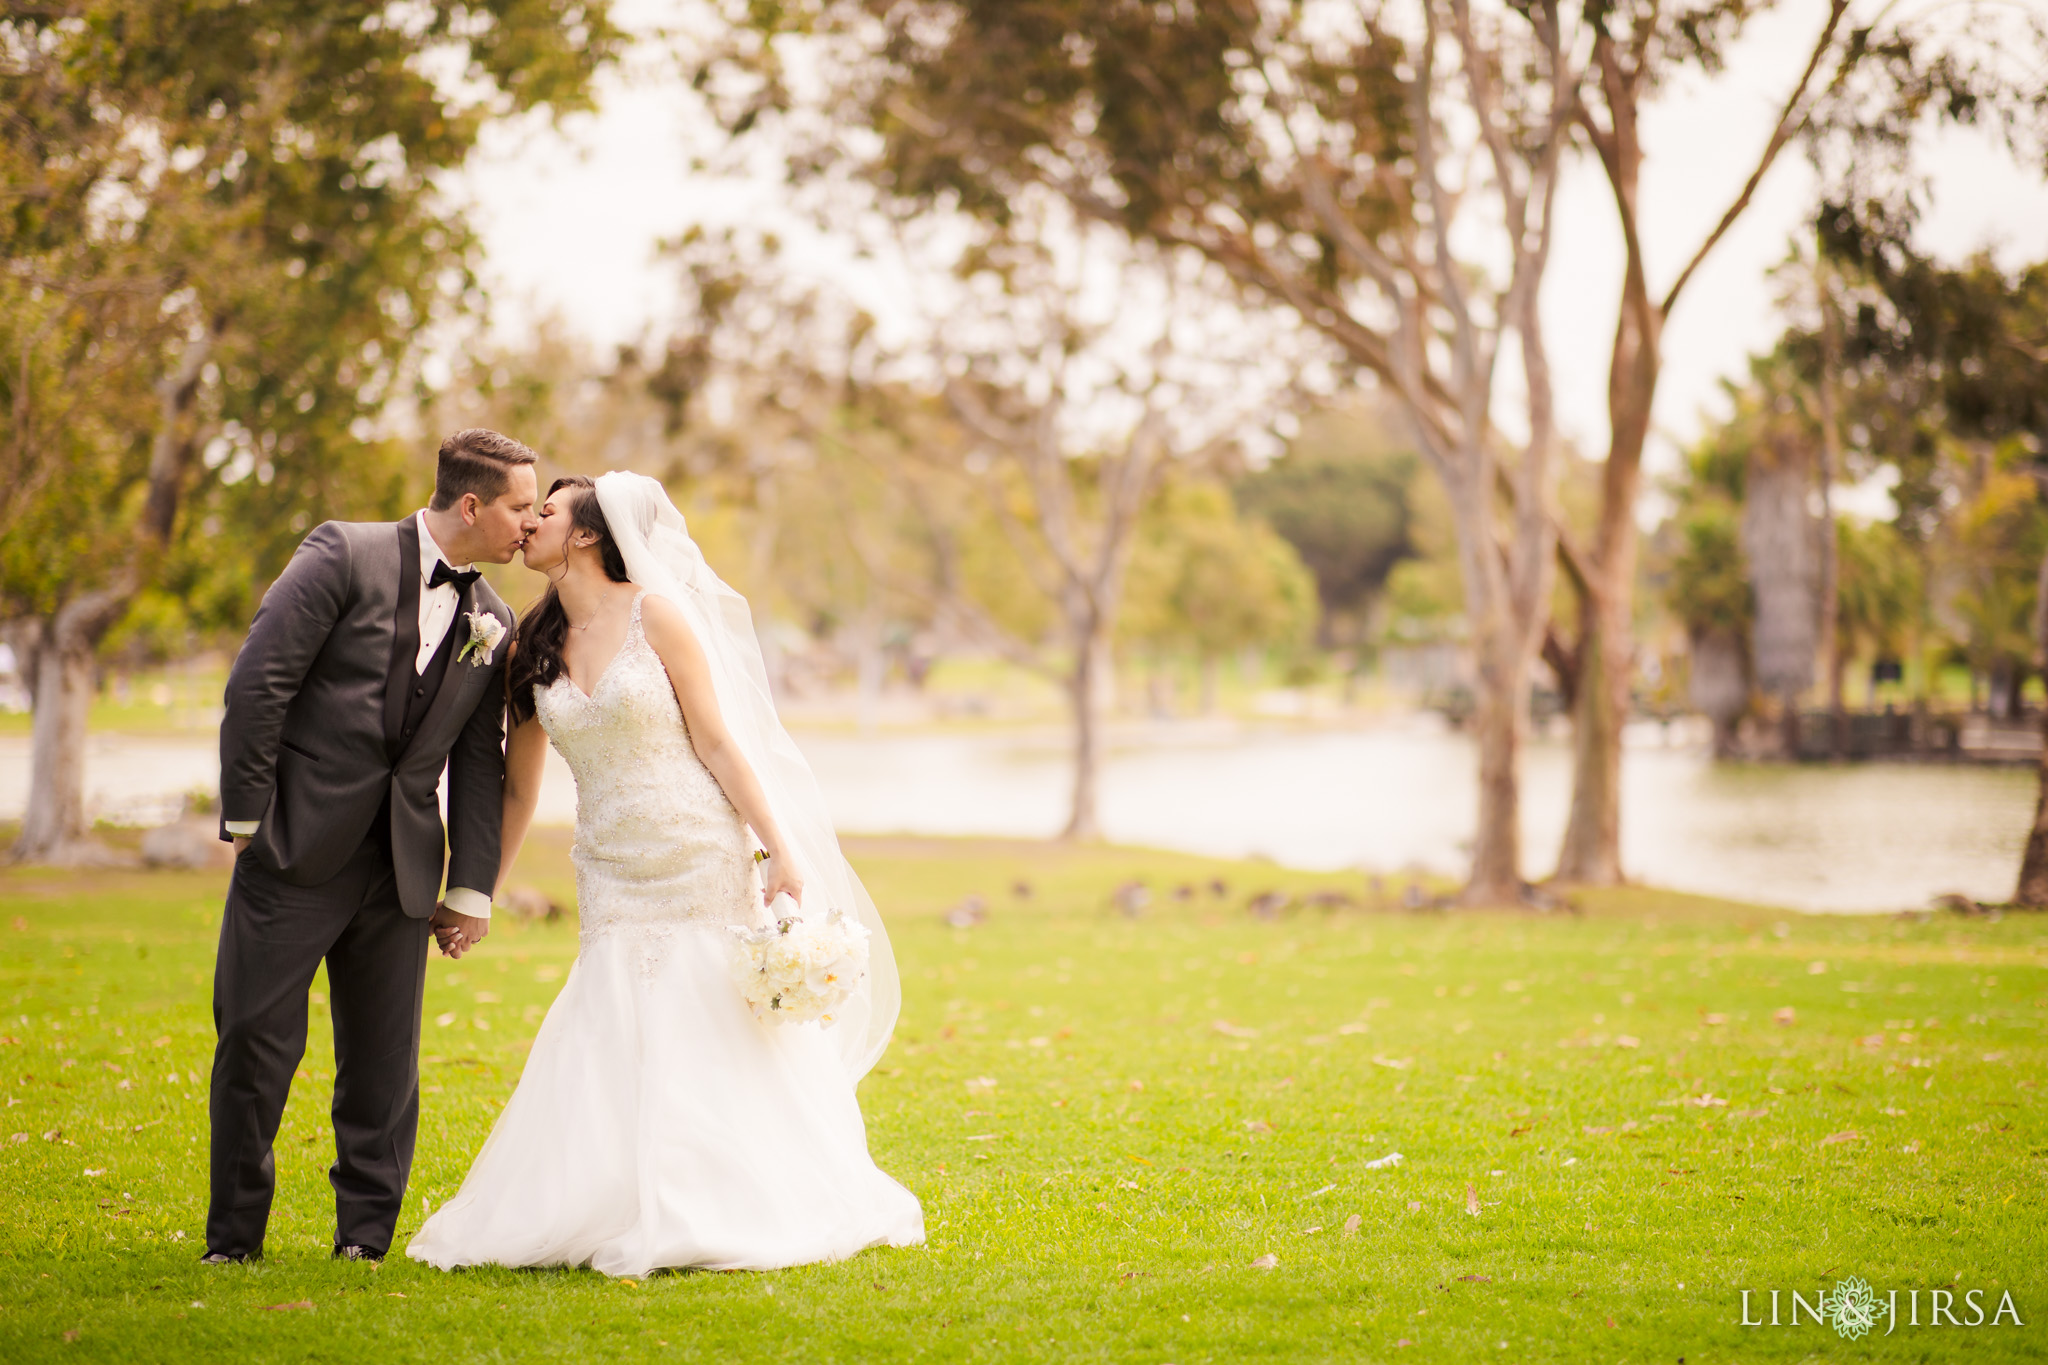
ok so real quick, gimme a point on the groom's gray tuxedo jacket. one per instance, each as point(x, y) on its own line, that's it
point(327, 719)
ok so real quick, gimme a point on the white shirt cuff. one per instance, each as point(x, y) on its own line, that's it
point(465, 901)
point(242, 829)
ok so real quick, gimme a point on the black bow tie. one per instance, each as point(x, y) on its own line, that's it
point(461, 578)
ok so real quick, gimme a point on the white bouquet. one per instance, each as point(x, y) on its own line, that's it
point(800, 970)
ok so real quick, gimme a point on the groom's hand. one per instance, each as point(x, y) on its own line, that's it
point(457, 933)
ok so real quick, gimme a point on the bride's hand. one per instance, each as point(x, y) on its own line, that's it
point(777, 877)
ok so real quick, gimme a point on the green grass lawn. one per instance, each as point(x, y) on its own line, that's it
point(1607, 1133)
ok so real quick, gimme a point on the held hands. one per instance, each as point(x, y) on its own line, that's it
point(777, 876)
point(455, 934)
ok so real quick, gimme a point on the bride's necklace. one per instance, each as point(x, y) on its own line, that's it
point(587, 624)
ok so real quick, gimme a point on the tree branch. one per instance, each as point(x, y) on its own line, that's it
point(1789, 122)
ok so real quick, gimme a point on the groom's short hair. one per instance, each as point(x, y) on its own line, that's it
point(476, 460)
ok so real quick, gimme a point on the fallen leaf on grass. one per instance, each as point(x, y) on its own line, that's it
point(1404, 1342)
point(1382, 1163)
point(1395, 1063)
point(1786, 1016)
point(1351, 1225)
point(1230, 1030)
point(1257, 1126)
point(1610, 1322)
point(1415, 1206)
point(1849, 1135)
point(1627, 1040)
point(1471, 1201)
point(1266, 1262)
point(1592, 1131)
point(1751, 1113)
point(1517, 1132)
point(286, 1307)
point(1476, 1279)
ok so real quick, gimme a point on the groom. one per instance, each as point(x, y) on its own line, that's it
point(375, 661)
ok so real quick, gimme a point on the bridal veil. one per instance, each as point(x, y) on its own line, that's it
point(662, 558)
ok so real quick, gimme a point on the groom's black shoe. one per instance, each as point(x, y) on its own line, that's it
point(223, 1258)
point(356, 1253)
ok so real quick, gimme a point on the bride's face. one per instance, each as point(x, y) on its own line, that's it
point(548, 546)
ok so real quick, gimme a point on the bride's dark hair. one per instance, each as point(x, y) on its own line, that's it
point(537, 645)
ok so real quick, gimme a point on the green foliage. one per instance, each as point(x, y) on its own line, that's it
point(226, 238)
point(1340, 497)
point(1172, 1097)
point(1206, 581)
point(1881, 597)
point(1426, 593)
point(1708, 586)
point(1994, 545)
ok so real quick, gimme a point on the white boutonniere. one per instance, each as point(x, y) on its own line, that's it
point(485, 631)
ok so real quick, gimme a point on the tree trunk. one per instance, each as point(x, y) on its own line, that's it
point(1085, 693)
point(870, 666)
point(1829, 646)
point(1212, 671)
point(2033, 887)
point(1591, 853)
point(1499, 722)
point(54, 828)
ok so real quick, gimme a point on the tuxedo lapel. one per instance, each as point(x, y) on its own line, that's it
point(405, 637)
point(455, 676)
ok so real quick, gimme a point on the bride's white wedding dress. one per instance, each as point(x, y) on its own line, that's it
point(658, 1123)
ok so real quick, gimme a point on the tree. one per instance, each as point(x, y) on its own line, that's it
point(1085, 369)
point(1862, 94)
point(1340, 497)
point(1208, 582)
point(1331, 168)
point(988, 466)
point(1882, 597)
point(223, 237)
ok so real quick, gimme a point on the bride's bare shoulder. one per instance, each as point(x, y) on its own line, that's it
point(665, 625)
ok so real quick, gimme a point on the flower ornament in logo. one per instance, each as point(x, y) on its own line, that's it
point(1853, 1308)
point(485, 631)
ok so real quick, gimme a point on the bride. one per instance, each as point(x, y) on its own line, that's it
point(658, 1122)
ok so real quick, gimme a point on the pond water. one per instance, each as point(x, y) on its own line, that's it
point(1387, 797)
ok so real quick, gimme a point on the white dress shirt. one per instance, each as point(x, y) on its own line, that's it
point(438, 607)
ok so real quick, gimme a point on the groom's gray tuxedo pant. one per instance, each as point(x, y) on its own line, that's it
point(272, 941)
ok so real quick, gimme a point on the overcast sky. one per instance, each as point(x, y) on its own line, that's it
point(570, 220)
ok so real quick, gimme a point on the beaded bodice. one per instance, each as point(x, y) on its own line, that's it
point(658, 844)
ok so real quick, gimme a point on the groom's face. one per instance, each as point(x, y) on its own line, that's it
point(500, 527)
